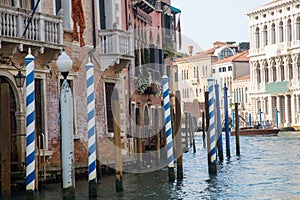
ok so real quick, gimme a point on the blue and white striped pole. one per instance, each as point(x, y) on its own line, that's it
point(219, 123)
point(211, 137)
point(91, 129)
point(168, 127)
point(226, 122)
point(249, 119)
point(30, 123)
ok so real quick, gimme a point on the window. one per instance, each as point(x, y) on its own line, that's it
point(298, 28)
point(220, 69)
point(229, 68)
point(223, 69)
point(282, 72)
point(273, 35)
point(176, 76)
point(290, 69)
point(66, 6)
point(265, 36)
point(109, 87)
point(266, 74)
point(224, 53)
point(289, 30)
point(257, 38)
point(39, 113)
point(102, 14)
point(258, 75)
point(280, 31)
point(213, 71)
point(274, 74)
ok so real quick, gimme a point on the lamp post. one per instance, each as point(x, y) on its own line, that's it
point(64, 64)
point(19, 79)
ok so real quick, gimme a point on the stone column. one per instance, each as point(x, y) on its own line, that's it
point(287, 107)
point(293, 110)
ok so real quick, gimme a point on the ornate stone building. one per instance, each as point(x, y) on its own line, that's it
point(274, 61)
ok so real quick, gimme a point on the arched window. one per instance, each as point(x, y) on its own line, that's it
point(289, 30)
point(298, 28)
point(265, 35)
point(282, 75)
point(290, 68)
point(273, 35)
point(258, 74)
point(266, 72)
point(257, 38)
point(280, 31)
point(274, 73)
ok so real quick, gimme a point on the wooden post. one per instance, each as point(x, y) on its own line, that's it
point(190, 130)
point(139, 136)
point(237, 134)
point(178, 136)
point(117, 138)
point(186, 132)
point(203, 130)
point(5, 138)
point(157, 131)
point(193, 135)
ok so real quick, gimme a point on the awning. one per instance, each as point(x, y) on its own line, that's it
point(175, 10)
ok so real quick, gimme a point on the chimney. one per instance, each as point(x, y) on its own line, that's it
point(190, 49)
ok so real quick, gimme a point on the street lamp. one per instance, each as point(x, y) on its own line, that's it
point(64, 64)
point(19, 78)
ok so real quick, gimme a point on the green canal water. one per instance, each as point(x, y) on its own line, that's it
point(268, 168)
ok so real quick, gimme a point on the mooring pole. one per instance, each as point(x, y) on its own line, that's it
point(249, 119)
point(260, 116)
point(219, 123)
point(139, 136)
point(226, 122)
point(211, 136)
point(168, 127)
point(193, 134)
point(232, 119)
point(157, 131)
point(237, 134)
point(117, 138)
point(186, 132)
point(91, 129)
point(276, 117)
point(30, 124)
point(178, 136)
point(5, 141)
point(190, 130)
point(203, 129)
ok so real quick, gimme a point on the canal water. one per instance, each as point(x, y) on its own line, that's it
point(268, 168)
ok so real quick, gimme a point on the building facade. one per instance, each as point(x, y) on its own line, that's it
point(118, 36)
point(274, 62)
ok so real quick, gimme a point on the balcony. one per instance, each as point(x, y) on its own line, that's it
point(45, 31)
point(115, 45)
point(147, 6)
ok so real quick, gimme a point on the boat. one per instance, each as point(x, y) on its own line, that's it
point(254, 131)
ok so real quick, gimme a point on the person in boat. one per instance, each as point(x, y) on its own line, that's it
point(258, 126)
point(268, 125)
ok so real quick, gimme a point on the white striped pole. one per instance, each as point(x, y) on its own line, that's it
point(91, 128)
point(168, 127)
point(30, 123)
point(212, 161)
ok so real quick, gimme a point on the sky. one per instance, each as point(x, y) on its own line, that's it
point(204, 22)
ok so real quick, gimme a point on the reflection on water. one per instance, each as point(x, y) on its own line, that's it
point(268, 168)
